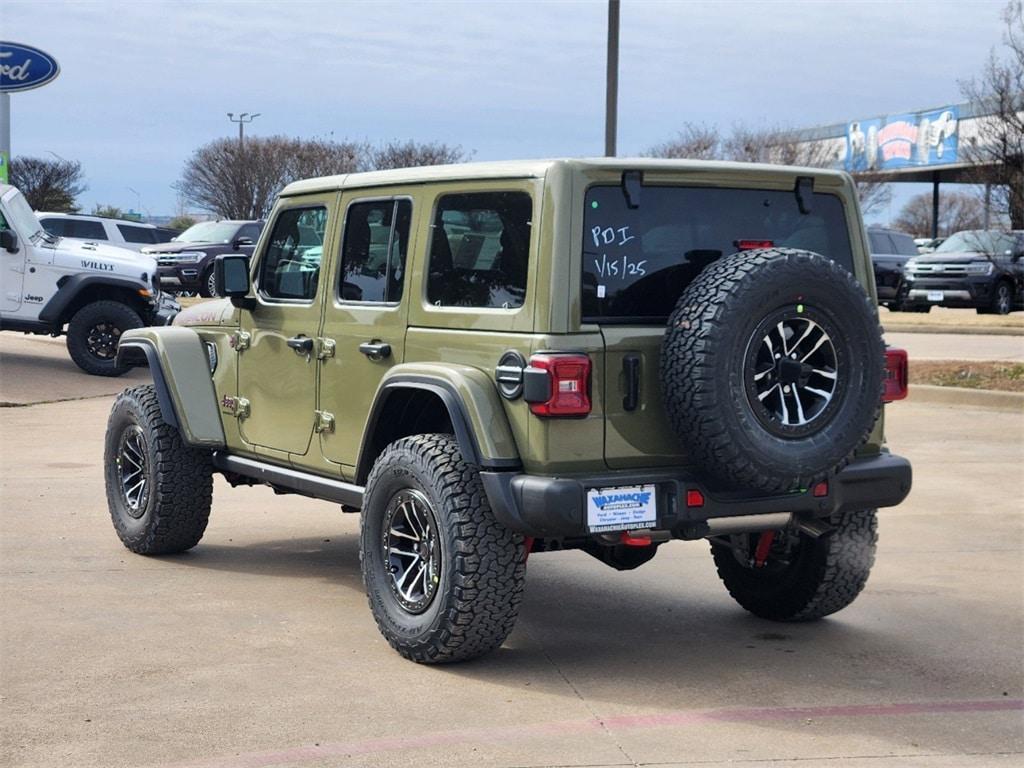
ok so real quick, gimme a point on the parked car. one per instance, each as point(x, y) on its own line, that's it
point(499, 359)
point(186, 263)
point(93, 290)
point(99, 229)
point(927, 244)
point(890, 250)
point(973, 268)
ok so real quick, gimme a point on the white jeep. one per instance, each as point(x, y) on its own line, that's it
point(94, 291)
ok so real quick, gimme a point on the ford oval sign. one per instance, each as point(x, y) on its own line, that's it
point(23, 67)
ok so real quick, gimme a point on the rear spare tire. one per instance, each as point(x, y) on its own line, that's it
point(772, 369)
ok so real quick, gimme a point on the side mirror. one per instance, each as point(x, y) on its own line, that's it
point(240, 241)
point(9, 240)
point(231, 279)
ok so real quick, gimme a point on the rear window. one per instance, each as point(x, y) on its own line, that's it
point(637, 261)
point(137, 234)
point(904, 244)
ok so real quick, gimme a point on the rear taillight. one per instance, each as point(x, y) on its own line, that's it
point(568, 385)
point(895, 375)
point(749, 245)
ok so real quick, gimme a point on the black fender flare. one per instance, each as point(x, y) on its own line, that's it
point(70, 287)
point(449, 396)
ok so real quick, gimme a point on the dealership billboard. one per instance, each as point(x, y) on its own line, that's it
point(913, 140)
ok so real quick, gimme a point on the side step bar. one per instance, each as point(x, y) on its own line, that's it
point(301, 482)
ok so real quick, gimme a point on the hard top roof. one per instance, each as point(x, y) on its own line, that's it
point(519, 169)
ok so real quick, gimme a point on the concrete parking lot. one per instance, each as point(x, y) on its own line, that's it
point(258, 649)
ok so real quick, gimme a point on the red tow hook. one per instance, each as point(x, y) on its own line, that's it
point(528, 545)
point(764, 545)
point(638, 540)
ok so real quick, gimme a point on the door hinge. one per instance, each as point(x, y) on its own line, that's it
point(236, 406)
point(240, 340)
point(324, 422)
point(325, 349)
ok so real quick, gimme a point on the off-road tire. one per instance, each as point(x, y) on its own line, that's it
point(119, 316)
point(825, 574)
point(706, 369)
point(483, 564)
point(176, 507)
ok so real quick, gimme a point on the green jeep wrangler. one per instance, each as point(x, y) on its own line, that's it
point(489, 360)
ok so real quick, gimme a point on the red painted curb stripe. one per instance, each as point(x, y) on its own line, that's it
point(616, 722)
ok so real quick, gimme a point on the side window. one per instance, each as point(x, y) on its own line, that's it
point(136, 234)
point(904, 244)
point(251, 231)
point(374, 250)
point(86, 230)
point(879, 242)
point(291, 264)
point(480, 250)
point(54, 226)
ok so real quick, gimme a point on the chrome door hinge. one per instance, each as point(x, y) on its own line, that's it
point(236, 406)
point(324, 422)
point(325, 349)
point(240, 340)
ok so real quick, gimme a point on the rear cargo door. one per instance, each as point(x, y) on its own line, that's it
point(642, 246)
point(637, 432)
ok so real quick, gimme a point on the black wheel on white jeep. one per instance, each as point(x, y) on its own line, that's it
point(790, 576)
point(93, 334)
point(772, 368)
point(443, 577)
point(159, 490)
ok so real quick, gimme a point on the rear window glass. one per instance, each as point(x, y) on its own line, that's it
point(137, 234)
point(904, 244)
point(637, 261)
point(479, 250)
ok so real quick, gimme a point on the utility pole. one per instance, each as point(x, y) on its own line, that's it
point(611, 104)
point(242, 119)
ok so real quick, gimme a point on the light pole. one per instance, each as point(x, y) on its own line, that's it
point(138, 199)
point(242, 119)
point(611, 104)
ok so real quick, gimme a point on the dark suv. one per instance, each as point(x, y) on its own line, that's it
point(186, 263)
point(975, 268)
point(890, 250)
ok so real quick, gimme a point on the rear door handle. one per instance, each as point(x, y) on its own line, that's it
point(375, 350)
point(303, 345)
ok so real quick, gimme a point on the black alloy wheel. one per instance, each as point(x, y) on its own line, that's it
point(133, 470)
point(412, 549)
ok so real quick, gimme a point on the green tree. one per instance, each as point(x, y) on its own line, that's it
point(48, 185)
point(181, 223)
point(107, 211)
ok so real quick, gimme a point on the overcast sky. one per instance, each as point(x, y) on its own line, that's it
point(142, 84)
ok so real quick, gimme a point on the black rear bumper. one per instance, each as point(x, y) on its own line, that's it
point(554, 507)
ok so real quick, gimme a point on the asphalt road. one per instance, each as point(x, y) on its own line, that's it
point(258, 649)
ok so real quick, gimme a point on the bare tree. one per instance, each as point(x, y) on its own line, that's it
point(773, 144)
point(240, 181)
point(48, 185)
point(998, 146)
point(695, 141)
point(410, 154)
point(957, 211)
